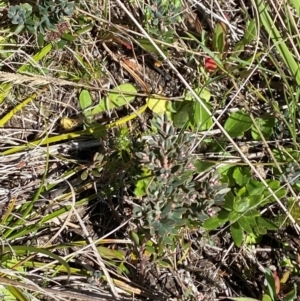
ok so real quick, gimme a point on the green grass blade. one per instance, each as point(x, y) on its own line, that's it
point(24, 249)
point(16, 293)
point(277, 39)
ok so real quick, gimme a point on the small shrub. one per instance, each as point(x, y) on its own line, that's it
point(161, 13)
point(41, 18)
point(171, 199)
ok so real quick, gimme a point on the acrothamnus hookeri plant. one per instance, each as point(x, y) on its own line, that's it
point(169, 198)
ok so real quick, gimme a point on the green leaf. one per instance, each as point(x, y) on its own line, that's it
point(243, 299)
point(279, 191)
point(158, 106)
point(296, 5)
point(61, 44)
point(164, 264)
point(203, 94)
point(99, 108)
point(84, 175)
point(241, 175)
point(234, 216)
point(238, 123)
point(68, 37)
point(250, 32)
point(266, 298)
point(141, 185)
point(216, 221)
point(182, 117)
point(274, 184)
point(122, 269)
point(251, 214)
point(253, 238)
point(271, 284)
point(11, 293)
point(292, 295)
point(134, 236)
point(85, 101)
point(229, 201)
point(200, 118)
point(203, 165)
point(243, 222)
point(255, 200)
point(219, 37)
point(147, 45)
point(118, 97)
point(265, 223)
point(265, 125)
point(240, 192)
point(226, 173)
point(255, 187)
point(237, 234)
point(110, 253)
point(241, 204)
point(150, 249)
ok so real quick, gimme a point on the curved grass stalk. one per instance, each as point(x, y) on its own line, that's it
point(96, 131)
point(18, 108)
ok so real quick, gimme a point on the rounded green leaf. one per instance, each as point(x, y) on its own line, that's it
point(266, 298)
point(203, 93)
point(241, 204)
point(238, 123)
point(239, 177)
point(229, 201)
point(243, 222)
point(265, 125)
point(181, 118)
point(84, 175)
point(237, 234)
point(255, 187)
point(164, 264)
point(216, 221)
point(156, 105)
point(200, 118)
point(121, 95)
point(85, 99)
point(134, 236)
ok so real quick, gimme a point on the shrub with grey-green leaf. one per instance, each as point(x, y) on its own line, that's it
point(159, 15)
point(164, 12)
point(43, 17)
point(292, 173)
point(171, 200)
point(19, 13)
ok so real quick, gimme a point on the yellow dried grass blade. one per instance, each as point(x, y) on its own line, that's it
point(15, 110)
point(9, 210)
point(68, 136)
